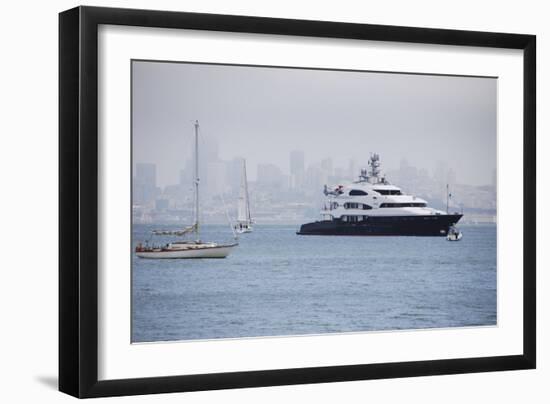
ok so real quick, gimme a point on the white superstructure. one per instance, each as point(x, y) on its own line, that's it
point(372, 195)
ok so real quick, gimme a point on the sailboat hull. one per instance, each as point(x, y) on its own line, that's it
point(243, 227)
point(216, 251)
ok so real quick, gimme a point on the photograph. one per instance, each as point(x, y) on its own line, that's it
point(275, 201)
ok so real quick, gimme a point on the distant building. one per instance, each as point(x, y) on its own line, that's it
point(327, 167)
point(297, 169)
point(208, 167)
point(314, 179)
point(146, 174)
point(145, 188)
point(269, 175)
point(297, 162)
point(339, 176)
point(234, 173)
point(162, 204)
point(185, 178)
point(216, 182)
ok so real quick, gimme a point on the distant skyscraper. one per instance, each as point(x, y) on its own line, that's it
point(209, 147)
point(297, 168)
point(186, 179)
point(326, 170)
point(146, 174)
point(208, 164)
point(217, 183)
point(234, 173)
point(145, 183)
point(314, 179)
point(339, 176)
point(270, 175)
point(297, 165)
point(326, 166)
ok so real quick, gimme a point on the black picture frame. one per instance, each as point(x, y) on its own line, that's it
point(78, 196)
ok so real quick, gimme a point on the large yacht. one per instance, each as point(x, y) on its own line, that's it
point(371, 206)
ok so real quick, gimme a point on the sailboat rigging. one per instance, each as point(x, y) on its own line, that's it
point(244, 219)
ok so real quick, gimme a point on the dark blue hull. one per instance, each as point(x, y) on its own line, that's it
point(431, 225)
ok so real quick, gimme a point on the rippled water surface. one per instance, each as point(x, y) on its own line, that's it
point(278, 283)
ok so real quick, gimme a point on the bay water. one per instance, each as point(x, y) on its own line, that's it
point(277, 283)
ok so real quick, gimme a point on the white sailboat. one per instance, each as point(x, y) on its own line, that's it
point(454, 234)
point(244, 220)
point(186, 248)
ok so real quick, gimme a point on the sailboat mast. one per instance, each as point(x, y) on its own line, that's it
point(248, 218)
point(447, 198)
point(197, 178)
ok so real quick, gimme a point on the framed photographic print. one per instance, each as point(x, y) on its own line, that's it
point(250, 201)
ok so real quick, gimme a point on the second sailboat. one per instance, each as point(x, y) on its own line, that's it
point(244, 220)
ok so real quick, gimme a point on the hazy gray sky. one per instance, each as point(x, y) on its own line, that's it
point(264, 113)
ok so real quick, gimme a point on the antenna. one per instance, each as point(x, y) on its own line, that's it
point(448, 195)
point(197, 178)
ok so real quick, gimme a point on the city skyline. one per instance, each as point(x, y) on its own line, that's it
point(263, 114)
point(173, 177)
point(280, 198)
point(349, 171)
point(146, 173)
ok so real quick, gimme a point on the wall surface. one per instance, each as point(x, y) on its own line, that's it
point(28, 167)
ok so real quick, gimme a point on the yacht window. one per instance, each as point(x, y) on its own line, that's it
point(403, 205)
point(388, 191)
point(351, 218)
point(357, 192)
point(356, 205)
